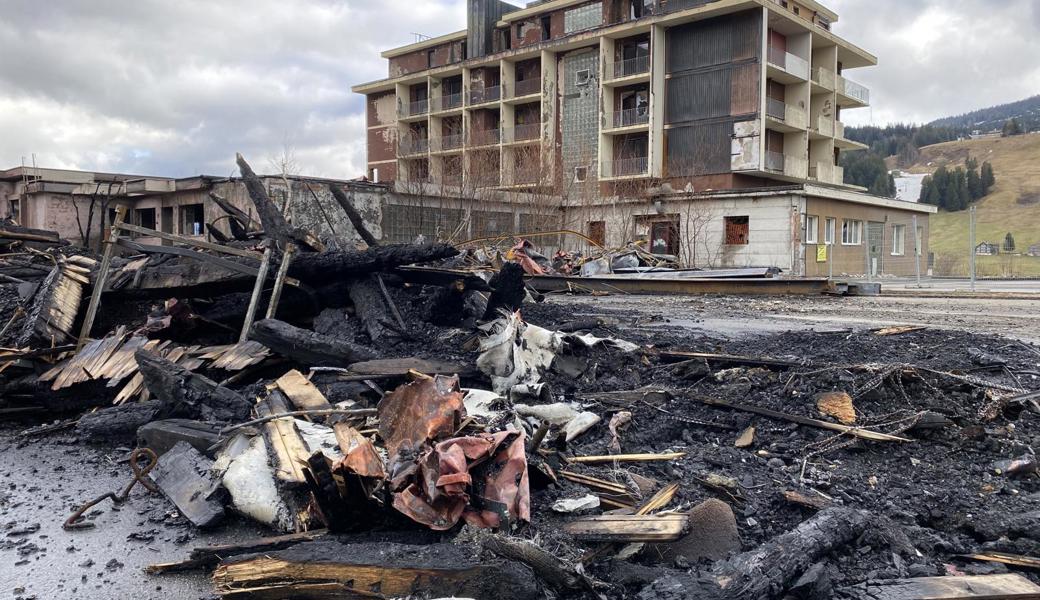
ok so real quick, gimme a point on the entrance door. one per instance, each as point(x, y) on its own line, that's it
point(875, 246)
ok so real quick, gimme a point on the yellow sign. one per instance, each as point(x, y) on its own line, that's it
point(821, 253)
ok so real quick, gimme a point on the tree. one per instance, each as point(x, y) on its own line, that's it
point(1009, 243)
point(975, 189)
point(987, 176)
point(1012, 127)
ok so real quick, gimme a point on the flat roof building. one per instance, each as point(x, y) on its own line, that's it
point(641, 103)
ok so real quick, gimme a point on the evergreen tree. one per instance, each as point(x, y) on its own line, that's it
point(988, 179)
point(1009, 243)
point(1011, 127)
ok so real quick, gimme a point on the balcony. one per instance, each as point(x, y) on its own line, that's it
point(796, 167)
point(527, 87)
point(827, 173)
point(448, 143)
point(795, 66)
point(485, 137)
point(632, 117)
point(483, 96)
point(787, 118)
point(776, 109)
point(638, 166)
point(451, 179)
point(525, 176)
point(522, 133)
point(416, 109)
point(448, 102)
point(823, 78)
point(844, 143)
point(824, 126)
point(632, 67)
point(852, 93)
point(411, 145)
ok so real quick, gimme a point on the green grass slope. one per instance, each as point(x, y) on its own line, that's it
point(1012, 206)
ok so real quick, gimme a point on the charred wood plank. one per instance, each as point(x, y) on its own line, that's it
point(186, 478)
point(307, 347)
point(320, 268)
point(15, 233)
point(189, 393)
point(239, 221)
point(371, 308)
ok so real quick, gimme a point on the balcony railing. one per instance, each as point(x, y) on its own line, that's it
point(448, 102)
point(775, 161)
point(630, 117)
point(851, 89)
point(776, 109)
point(823, 78)
point(527, 87)
point(525, 176)
point(522, 133)
point(627, 68)
point(417, 108)
point(827, 173)
point(414, 146)
point(485, 137)
point(795, 65)
point(839, 130)
point(448, 142)
point(796, 167)
point(626, 167)
point(488, 94)
point(825, 126)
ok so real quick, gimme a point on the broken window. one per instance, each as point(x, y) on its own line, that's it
point(166, 220)
point(598, 232)
point(193, 219)
point(851, 232)
point(664, 237)
point(546, 27)
point(737, 230)
point(145, 217)
point(812, 229)
point(16, 211)
point(581, 174)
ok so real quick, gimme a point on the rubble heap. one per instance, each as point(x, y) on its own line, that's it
point(411, 431)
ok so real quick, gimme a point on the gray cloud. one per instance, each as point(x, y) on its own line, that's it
point(176, 88)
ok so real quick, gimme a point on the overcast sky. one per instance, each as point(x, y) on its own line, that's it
point(176, 88)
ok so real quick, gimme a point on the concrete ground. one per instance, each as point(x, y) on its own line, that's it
point(1031, 286)
point(44, 480)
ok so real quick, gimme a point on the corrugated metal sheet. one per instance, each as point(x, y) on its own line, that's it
point(481, 19)
point(713, 42)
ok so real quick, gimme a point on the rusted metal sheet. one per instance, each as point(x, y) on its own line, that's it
point(633, 285)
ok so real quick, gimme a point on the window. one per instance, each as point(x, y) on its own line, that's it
point(145, 217)
point(812, 229)
point(519, 31)
point(16, 211)
point(598, 232)
point(583, 77)
point(898, 240)
point(583, 17)
point(664, 237)
point(851, 232)
point(193, 219)
point(546, 27)
point(738, 230)
point(830, 227)
point(429, 59)
point(581, 174)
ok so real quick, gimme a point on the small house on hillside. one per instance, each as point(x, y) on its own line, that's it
point(987, 249)
point(1034, 250)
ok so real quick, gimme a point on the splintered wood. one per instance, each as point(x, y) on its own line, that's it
point(112, 359)
point(984, 587)
point(301, 392)
point(628, 528)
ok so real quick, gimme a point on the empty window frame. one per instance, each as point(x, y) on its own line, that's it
point(16, 211)
point(193, 219)
point(738, 230)
point(812, 229)
point(598, 232)
point(581, 174)
point(898, 240)
point(851, 232)
point(145, 217)
point(546, 28)
point(830, 228)
point(582, 77)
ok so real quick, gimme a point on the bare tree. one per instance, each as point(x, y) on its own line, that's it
point(285, 165)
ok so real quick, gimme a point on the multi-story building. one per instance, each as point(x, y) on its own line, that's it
point(727, 110)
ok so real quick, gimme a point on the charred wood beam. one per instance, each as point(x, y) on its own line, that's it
point(354, 216)
point(238, 220)
point(189, 393)
point(320, 268)
point(15, 233)
point(371, 308)
point(307, 347)
point(275, 225)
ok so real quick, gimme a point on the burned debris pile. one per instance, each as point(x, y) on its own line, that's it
point(404, 428)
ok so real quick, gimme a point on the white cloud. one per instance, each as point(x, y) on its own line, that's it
point(176, 88)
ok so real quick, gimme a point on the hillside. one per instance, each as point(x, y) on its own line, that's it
point(1013, 205)
point(989, 119)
